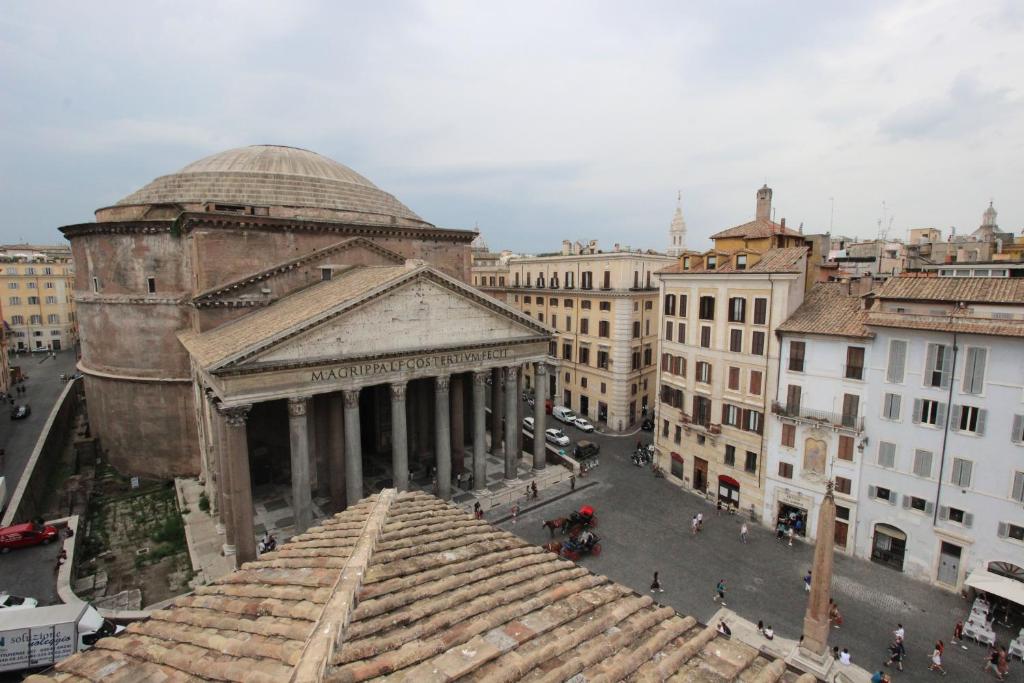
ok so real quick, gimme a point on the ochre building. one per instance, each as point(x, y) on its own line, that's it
point(268, 316)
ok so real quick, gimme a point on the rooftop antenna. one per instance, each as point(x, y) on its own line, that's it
point(831, 213)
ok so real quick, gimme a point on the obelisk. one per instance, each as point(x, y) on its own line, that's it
point(816, 619)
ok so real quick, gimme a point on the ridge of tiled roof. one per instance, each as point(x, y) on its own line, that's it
point(963, 322)
point(757, 228)
point(776, 260)
point(828, 309)
point(989, 290)
point(405, 586)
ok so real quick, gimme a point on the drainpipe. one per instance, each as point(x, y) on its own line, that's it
point(761, 477)
point(945, 433)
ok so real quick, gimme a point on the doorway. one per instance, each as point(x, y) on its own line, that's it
point(552, 390)
point(700, 474)
point(889, 546)
point(949, 564)
point(567, 399)
point(584, 406)
point(55, 345)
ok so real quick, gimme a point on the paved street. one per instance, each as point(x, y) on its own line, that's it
point(31, 572)
point(18, 438)
point(644, 526)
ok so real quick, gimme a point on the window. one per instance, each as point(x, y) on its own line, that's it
point(33, 300)
point(566, 351)
point(670, 304)
point(929, 412)
point(17, 320)
point(845, 447)
point(583, 382)
point(702, 410)
point(730, 415)
point(730, 455)
point(753, 421)
point(796, 356)
point(649, 305)
point(891, 407)
point(938, 363)
point(705, 336)
point(1007, 530)
point(540, 317)
point(682, 305)
point(664, 428)
point(529, 279)
point(974, 370)
point(785, 470)
point(30, 271)
point(602, 328)
point(751, 464)
point(602, 359)
point(604, 387)
point(553, 348)
point(1017, 431)
point(35, 319)
point(793, 394)
point(605, 306)
point(734, 379)
point(854, 362)
point(886, 454)
point(1017, 492)
point(681, 333)
point(669, 331)
point(737, 309)
point(736, 341)
point(956, 515)
point(678, 435)
point(679, 366)
point(741, 261)
point(527, 299)
point(567, 303)
point(706, 310)
point(15, 300)
point(585, 303)
point(53, 318)
point(969, 419)
point(923, 463)
point(881, 493)
point(648, 356)
point(897, 361)
point(760, 311)
point(50, 285)
point(636, 329)
point(635, 356)
point(961, 475)
point(843, 485)
point(703, 372)
point(587, 280)
point(757, 343)
point(851, 405)
point(919, 504)
point(584, 355)
point(568, 320)
point(788, 435)
point(14, 285)
point(755, 382)
point(51, 299)
point(584, 325)
point(711, 262)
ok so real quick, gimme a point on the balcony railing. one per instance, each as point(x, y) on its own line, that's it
point(812, 416)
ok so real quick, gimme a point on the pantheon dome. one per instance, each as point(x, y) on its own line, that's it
point(285, 182)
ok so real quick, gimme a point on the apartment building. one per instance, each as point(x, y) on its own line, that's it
point(719, 357)
point(603, 306)
point(38, 309)
point(816, 431)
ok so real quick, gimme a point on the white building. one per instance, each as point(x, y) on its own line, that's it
point(942, 477)
point(816, 430)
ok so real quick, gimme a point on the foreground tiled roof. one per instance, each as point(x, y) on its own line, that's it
point(963, 322)
point(828, 309)
point(406, 587)
point(755, 229)
point(990, 290)
point(779, 260)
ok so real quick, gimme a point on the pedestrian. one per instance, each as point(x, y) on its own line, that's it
point(897, 651)
point(844, 657)
point(760, 627)
point(723, 628)
point(790, 537)
point(700, 521)
point(743, 532)
point(833, 614)
point(769, 632)
point(572, 482)
point(992, 661)
point(880, 677)
point(478, 511)
point(936, 664)
point(515, 512)
point(1003, 667)
point(835, 653)
point(807, 582)
point(720, 592)
point(533, 489)
point(899, 632)
point(718, 507)
point(693, 525)
point(656, 585)
point(958, 632)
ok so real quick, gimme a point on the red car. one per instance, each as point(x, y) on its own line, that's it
point(23, 535)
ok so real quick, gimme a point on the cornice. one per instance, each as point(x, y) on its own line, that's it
point(128, 299)
point(577, 291)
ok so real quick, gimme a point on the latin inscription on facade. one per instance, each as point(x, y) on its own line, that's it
point(439, 361)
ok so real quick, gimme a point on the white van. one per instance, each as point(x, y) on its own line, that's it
point(564, 414)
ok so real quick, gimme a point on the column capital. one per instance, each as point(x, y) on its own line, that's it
point(398, 391)
point(297, 406)
point(442, 383)
point(541, 368)
point(480, 377)
point(235, 416)
point(351, 398)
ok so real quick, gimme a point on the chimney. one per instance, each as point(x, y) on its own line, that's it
point(566, 247)
point(782, 222)
point(764, 203)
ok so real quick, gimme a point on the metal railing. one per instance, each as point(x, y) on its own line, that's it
point(818, 416)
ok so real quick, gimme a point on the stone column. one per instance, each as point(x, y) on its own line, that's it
point(237, 452)
point(399, 442)
point(540, 456)
point(458, 424)
point(225, 491)
point(816, 620)
point(497, 410)
point(336, 450)
point(515, 425)
point(298, 433)
point(442, 438)
point(479, 430)
point(320, 431)
point(353, 449)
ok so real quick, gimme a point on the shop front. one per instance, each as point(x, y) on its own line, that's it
point(728, 490)
point(889, 546)
point(677, 466)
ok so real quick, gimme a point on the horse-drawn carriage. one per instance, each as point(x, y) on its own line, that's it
point(578, 526)
point(575, 523)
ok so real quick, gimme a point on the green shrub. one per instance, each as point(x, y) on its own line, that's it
point(204, 502)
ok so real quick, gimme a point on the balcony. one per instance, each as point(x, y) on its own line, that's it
point(819, 417)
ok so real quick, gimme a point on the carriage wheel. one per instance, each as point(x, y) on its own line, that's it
point(596, 550)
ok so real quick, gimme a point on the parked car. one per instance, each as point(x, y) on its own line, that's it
point(583, 424)
point(23, 535)
point(20, 412)
point(10, 602)
point(564, 414)
point(557, 437)
point(528, 423)
point(585, 449)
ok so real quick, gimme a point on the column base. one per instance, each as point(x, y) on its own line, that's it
point(219, 527)
point(480, 492)
point(811, 662)
point(228, 550)
point(539, 469)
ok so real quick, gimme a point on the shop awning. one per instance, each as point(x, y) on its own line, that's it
point(984, 580)
point(728, 481)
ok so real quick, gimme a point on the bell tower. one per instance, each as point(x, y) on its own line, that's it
point(677, 230)
point(764, 203)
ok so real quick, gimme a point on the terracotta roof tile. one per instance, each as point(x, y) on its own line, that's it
point(779, 260)
point(988, 290)
point(755, 229)
point(828, 309)
point(961, 322)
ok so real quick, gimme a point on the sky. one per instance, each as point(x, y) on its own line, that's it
point(536, 122)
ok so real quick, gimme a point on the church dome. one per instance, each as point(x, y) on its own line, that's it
point(273, 176)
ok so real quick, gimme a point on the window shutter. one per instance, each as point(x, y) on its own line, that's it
point(1003, 530)
point(897, 358)
point(917, 411)
point(940, 416)
point(1018, 427)
point(906, 502)
point(872, 491)
point(965, 479)
point(968, 519)
point(929, 363)
point(954, 421)
point(943, 512)
point(980, 431)
point(1018, 487)
point(892, 497)
point(929, 508)
point(974, 370)
point(947, 361)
